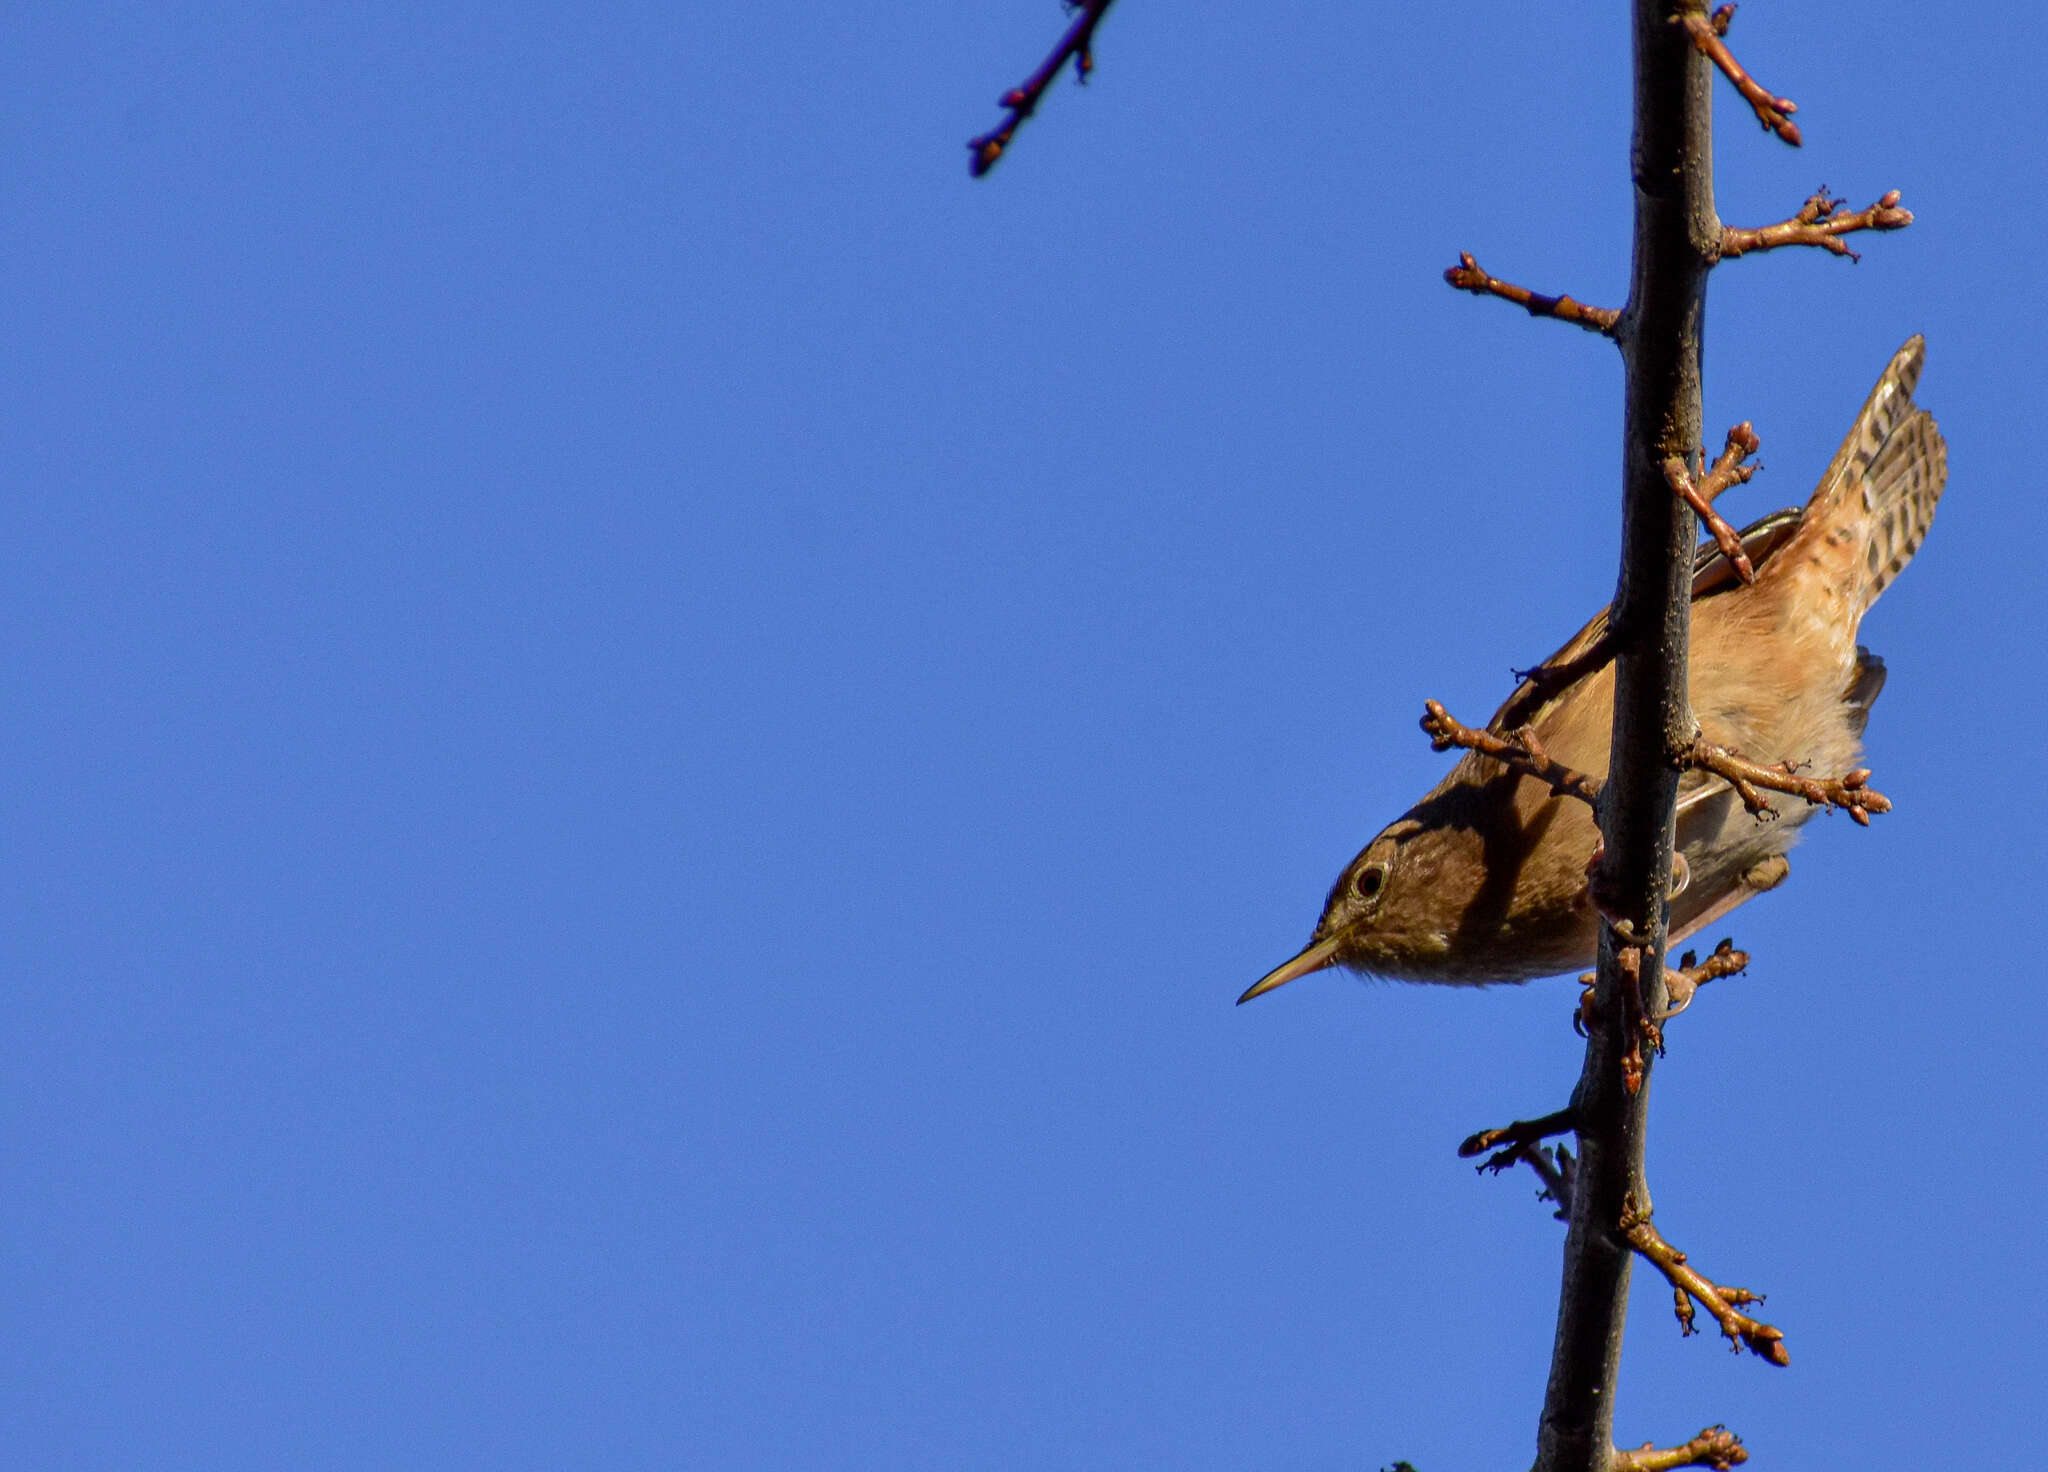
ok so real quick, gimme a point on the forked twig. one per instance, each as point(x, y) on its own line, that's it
point(1700, 493)
point(1848, 793)
point(1519, 751)
point(1820, 222)
point(1687, 1284)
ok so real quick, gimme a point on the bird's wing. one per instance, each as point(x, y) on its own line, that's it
point(1585, 652)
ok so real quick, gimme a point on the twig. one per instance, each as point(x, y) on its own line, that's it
point(1847, 793)
point(1820, 222)
point(1716, 1447)
point(1687, 1284)
point(1467, 276)
point(1692, 974)
point(1699, 494)
point(1522, 1142)
point(1519, 751)
point(1078, 43)
point(1775, 113)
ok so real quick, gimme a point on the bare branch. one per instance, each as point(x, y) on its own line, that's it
point(1661, 336)
point(1716, 1447)
point(1728, 471)
point(1687, 1284)
point(1775, 113)
point(1077, 44)
point(1519, 751)
point(1820, 222)
point(1468, 276)
point(1848, 793)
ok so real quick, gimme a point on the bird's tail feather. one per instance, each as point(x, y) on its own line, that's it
point(1895, 460)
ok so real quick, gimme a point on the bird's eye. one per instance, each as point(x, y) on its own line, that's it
point(1370, 881)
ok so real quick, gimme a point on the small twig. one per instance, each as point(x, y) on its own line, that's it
point(1545, 680)
point(1692, 974)
point(1775, 113)
point(1519, 751)
point(1717, 1299)
point(1820, 222)
point(1521, 1142)
point(1716, 1447)
point(1467, 276)
point(1521, 1132)
point(1078, 44)
point(1847, 793)
point(1699, 494)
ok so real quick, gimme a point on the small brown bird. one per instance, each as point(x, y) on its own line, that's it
point(1485, 879)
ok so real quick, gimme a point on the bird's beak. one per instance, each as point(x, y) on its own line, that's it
point(1319, 955)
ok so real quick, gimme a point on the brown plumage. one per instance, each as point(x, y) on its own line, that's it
point(1484, 880)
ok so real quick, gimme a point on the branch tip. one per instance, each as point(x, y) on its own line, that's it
point(1078, 44)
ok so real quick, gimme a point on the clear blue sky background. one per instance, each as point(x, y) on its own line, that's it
point(648, 737)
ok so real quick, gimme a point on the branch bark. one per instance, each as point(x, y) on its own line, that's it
point(1661, 331)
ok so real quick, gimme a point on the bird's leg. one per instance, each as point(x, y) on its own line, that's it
point(1687, 1284)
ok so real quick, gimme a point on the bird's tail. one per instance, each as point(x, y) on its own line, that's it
point(1895, 463)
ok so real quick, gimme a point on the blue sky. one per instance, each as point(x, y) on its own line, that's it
point(650, 736)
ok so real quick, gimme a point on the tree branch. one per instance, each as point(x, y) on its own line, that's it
point(1847, 793)
point(1723, 1302)
point(1661, 332)
point(1775, 113)
point(1078, 43)
point(1728, 471)
point(1468, 276)
point(1716, 1447)
point(1820, 222)
point(1519, 751)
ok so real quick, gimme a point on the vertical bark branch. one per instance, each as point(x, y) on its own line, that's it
point(1661, 333)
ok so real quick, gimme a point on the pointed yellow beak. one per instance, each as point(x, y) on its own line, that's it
point(1318, 956)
